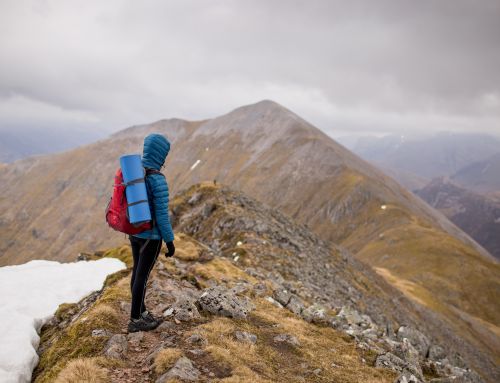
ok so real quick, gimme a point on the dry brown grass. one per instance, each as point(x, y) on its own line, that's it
point(186, 248)
point(83, 370)
point(221, 269)
point(166, 359)
point(266, 361)
point(76, 341)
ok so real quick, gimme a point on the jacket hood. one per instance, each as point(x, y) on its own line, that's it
point(156, 148)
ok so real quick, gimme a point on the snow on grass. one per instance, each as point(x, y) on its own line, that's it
point(30, 294)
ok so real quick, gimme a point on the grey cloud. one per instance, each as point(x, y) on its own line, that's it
point(360, 66)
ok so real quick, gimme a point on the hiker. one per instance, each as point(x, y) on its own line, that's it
point(146, 245)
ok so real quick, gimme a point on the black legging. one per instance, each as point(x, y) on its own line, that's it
point(143, 264)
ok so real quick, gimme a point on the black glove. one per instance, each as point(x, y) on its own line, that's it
point(170, 249)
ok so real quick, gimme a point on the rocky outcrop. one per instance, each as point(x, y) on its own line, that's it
point(322, 283)
point(221, 301)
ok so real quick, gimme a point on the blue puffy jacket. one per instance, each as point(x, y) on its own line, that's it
point(156, 148)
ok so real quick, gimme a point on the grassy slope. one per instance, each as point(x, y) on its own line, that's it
point(72, 353)
point(446, 274)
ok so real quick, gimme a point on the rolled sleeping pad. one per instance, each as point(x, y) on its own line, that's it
point(137, 195)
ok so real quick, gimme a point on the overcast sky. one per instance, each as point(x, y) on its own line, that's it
point(346, 66)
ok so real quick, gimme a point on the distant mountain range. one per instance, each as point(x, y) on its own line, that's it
point(21, 143)
point(414, 161)
point(481, 176)
point(466, 167)
point(53, 206)
point(476, 214)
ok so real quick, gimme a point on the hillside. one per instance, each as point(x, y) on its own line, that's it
point(53, 206)
point(232, 316)
point(481, 176)
point(474, 213)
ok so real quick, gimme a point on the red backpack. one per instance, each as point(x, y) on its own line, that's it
point(117, 212)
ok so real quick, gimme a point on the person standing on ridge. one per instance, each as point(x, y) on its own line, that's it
point(146, 246)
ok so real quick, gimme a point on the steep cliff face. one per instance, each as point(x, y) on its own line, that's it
point(253, 298)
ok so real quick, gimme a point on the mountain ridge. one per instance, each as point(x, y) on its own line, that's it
point(279, 159)
point(270, 287)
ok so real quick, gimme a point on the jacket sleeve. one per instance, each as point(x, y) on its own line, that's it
point(159, 190)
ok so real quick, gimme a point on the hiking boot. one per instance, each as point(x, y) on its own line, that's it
point(149, 317)
point(141, 324)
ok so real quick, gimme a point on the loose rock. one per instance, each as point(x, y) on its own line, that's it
point(196, 339)
point(116, 347)
point(135, 338)
point(287, 339)
point(183, 370)
point(244, 336)
point(416, 338)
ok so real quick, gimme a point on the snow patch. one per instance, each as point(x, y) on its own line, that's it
point(195, 164)
point(31, 293)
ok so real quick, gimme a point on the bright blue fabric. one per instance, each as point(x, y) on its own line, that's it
point(156, 148)
point(132, 169)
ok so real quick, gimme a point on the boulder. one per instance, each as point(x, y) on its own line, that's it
point(407, 352)
point(221, 301)
point(295, 305)
point(244, 336)
point(99, 332)
point(389, 360)
point(116, 347)
point(416, 338)
point(135, 338)
point(197, 339)
point(407, 378)
point(183, 370)
point(288, 339)
point(436, 352)
point(282, 296)
point(350, 316)
point(274, 302)
point(185, 309)
point(315, 314)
